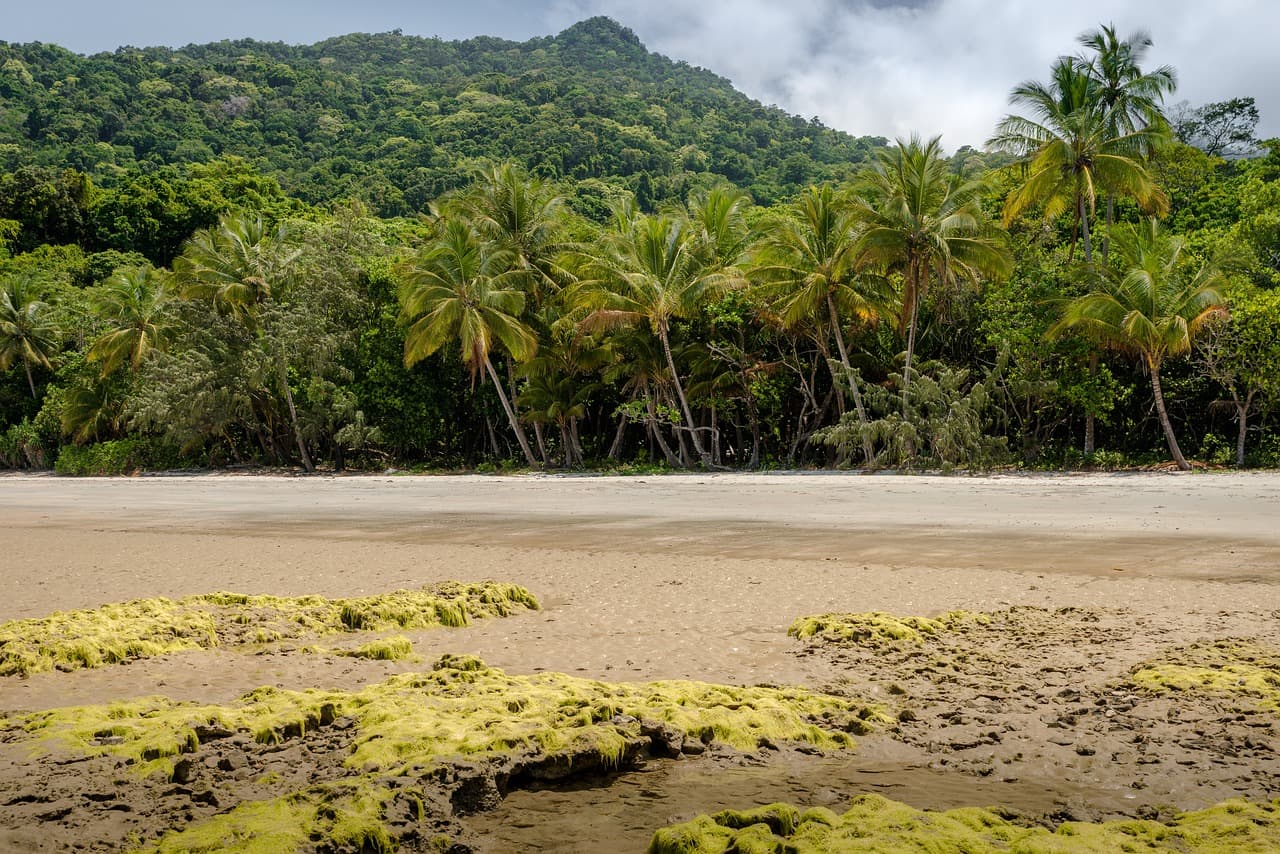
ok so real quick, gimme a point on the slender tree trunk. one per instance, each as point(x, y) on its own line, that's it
point(511, 413)
point(867, 452)
point(1084, 232)
point(1111, 218)
point(754, 418)
point(656, 433)
point(1242, 415)
point(1090, 420)
point(1164, 420)
point(31, 384)
point(293, 417)
point(564, 441)
point(703, 456)
point(577, 442)
point(541, 442)
point(615, 449)
point(917, 293)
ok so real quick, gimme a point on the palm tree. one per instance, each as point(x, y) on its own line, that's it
point(923, 223)
point(1072, 148)
point(1148, 305)
point(524, 217)
point(27, 329)
point(240, 266)
point(808, 273)
point(648, 271)
point(134, 302)
point(1131, 97)
point(460, 289)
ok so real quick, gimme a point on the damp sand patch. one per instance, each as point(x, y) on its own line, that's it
point(146, 628)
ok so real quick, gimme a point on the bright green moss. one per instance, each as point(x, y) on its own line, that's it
point(348, 815)
point(877, 629)
point(465, 708)
point(145, 628)
point(383, 649)
point(409, 723)
point(1243, 672)
point(876, 825)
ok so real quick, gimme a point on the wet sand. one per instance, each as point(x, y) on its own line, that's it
point(693, 576)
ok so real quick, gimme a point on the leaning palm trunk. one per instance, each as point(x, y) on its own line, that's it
point(511, 414)
point(293, 418)
point(867, 452)
point(1164, 420)
point(30, 382)
point(703, 456)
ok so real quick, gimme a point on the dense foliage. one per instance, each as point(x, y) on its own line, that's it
point(390, 250)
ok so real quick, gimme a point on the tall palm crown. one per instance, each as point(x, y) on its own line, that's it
point(651, 269)
point(1131, 97)
point(28, 333)
point(1072, 149)
point(522, 216)
point(807, 269)
point(462, 288)
point(134, 303)
point(921, 222)
point(1148, 305)
point(238, 265)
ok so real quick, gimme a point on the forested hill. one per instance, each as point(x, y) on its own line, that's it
point(397, 120)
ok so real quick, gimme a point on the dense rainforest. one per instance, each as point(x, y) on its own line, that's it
point(383, 250)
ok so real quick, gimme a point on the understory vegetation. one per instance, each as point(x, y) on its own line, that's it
point(390, 251)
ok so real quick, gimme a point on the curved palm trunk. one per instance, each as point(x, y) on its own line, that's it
point(511, 414)
point(1090, 420)
point(867, 452)
point(307, 465)
point(703, 456)
point(30, 382)
point(919, 281)
point(1164, 420)
point(656, 433)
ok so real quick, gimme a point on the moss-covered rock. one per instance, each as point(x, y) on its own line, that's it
point(145, 628)
point(876, 825)
point(1244, 673)
point(877, 629)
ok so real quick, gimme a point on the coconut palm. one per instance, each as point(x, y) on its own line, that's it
point(134, 303)
point(524, 217)
point(1148, 305)
point(28, 333)
point(919, 221)
point(648, 272)
point(1072, 149)
point(462, 288)
point(808, 273)
point(1131, 97)
point(240, 266)
point(237, 265)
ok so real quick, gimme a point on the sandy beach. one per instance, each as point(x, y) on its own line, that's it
point(691, 577)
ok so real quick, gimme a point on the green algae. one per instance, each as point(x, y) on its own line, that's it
point(876, 825)
point(145, 628)
point(384, 649)
point(879, 630)
point(462, 708)
point(348, 815)
point(405, 727)
point(1242, 672)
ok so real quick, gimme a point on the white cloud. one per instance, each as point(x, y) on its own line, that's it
point(941, 66)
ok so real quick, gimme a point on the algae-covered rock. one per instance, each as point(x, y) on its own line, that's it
point(145, 628)
point(877, 629)
point(1242, 672)
point(876, 825)
point(472, 729)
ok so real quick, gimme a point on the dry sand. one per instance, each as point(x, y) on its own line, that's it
point(693, 576)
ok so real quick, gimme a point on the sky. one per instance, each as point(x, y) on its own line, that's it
point(869, 67)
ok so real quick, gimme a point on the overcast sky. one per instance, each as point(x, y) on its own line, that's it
point(881, 67)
